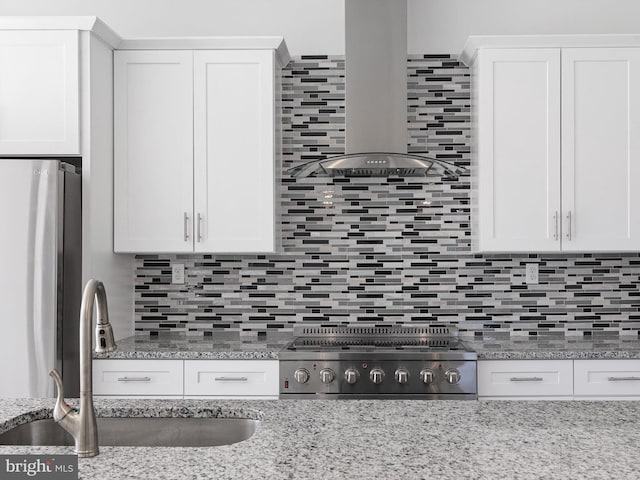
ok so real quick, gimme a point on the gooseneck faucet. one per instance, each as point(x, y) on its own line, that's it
point(81, 424)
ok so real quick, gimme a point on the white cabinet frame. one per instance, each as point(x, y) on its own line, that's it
point(196, 145)
point(39, 92)
point(556, 151)
point(207, 379)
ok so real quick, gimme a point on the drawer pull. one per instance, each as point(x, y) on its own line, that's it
point(623, 379)
point(134, 379)
point(526, 379)
point(231, 379)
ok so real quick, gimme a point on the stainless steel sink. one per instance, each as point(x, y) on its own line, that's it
point(140, 432)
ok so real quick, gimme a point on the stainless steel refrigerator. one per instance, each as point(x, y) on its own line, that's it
point(40, 275)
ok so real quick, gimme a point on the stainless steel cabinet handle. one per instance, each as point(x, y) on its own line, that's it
point(134, 379)
point(555, 222)
point(569, 225)
point(186, 227)
point(231, 379)
point(199, 231)
point(526, 379)
point(623, 379)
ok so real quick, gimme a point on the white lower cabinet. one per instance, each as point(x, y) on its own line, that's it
point(231, 378)
point(614, 379)
point(163, 378)
point(259, 379)
point(523, 379)
point(251, 379)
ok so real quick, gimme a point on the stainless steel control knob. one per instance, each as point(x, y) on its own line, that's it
point(301, 375)
point(327, 375)
point(402, 376)
point(452, 376)
point(351, 375)
point(376, 375)
point(427, 376)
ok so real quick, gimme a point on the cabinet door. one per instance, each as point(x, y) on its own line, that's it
point(234, 94)
point(601, 148)
point(153, 165)
point(525, 378)
point(601, 378)
point(518, 150)
point(138, 377)
point(231, 378)
point(39, 111)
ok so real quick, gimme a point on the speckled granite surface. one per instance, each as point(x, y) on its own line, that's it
point(176, 346)
point(234, 347)
point(555, 347)
point(360, 439)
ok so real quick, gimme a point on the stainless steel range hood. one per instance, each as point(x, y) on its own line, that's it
point(374, 164)
point(376, 99)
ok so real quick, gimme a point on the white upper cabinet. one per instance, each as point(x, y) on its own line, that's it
point(234, 94)
point(518, 156)
point(39, 92)
point(601, 148)
point(197, 143)
point(153, 170)
point(556, 160)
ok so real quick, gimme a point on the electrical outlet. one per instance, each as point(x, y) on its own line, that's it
point(531, 273)
point(177, 273)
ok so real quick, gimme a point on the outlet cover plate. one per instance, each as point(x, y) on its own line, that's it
point(531, 273)
point(177, 273)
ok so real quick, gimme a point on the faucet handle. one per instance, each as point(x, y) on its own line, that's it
point(61, 408)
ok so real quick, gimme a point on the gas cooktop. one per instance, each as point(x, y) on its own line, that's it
point(428, 362)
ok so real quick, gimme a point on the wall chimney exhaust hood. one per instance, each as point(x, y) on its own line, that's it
point(376, 99)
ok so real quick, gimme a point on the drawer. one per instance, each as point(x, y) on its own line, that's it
point(243, 378)
point(138, 377)
point(607, 377)
point(525, 378)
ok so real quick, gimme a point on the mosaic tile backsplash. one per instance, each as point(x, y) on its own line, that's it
point(384, 250)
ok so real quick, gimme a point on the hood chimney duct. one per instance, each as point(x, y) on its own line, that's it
point(376, 75)
point(376, 99)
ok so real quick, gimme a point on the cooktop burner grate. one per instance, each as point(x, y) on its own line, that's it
point(360, 330)
point(374, 343)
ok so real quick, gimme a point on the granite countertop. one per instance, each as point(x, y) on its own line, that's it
point(353, 439)
point(233, 346)
point(550, 347)
point(178, 346)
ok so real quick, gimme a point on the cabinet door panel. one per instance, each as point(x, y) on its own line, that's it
point(601, 149)
point(138, 377)
point(234, 151)
point(153, 167)
point(39, 109)
point(237, 378)
point(518, 154)
point(607, 377)
point(525, 378)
